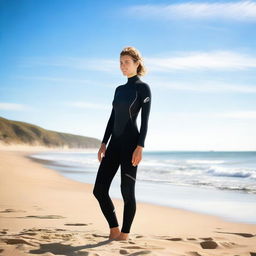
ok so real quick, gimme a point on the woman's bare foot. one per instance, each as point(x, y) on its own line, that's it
point(114, 233)
point(123, 236)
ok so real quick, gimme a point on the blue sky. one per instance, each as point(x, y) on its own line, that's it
point(60, 66)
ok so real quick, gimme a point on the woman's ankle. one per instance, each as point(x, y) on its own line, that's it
point(115, 229)
point(114, 232)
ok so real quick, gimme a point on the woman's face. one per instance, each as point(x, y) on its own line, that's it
point(128, 66)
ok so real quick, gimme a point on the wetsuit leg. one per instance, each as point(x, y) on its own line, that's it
point(106, 172)
point(128, 180)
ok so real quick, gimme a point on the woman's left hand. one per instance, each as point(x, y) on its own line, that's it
point(137, 155)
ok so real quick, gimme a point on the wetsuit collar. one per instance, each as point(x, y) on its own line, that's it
point(133, 78)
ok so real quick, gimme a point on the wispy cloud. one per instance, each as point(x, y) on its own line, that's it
point(12, 106)
point(88, 105)
point(235, 11)
point(215, 60)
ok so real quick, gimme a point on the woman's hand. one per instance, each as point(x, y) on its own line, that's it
point(137, 155)
point(101, 151)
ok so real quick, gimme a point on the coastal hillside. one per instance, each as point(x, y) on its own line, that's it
point(16, 132)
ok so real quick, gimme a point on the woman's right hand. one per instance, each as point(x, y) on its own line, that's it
point(101, 151)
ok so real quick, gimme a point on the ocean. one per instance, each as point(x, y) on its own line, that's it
point(219, 183)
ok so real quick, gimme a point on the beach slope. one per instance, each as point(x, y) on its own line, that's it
point(44, 213)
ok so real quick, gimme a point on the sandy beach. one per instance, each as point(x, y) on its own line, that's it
point(44, 213)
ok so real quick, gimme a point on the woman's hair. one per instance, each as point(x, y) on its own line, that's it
point(136, 56)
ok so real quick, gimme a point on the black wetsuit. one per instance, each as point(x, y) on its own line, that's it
point(128, 100)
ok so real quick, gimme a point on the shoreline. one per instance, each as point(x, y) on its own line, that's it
point(40, 199)
point(230, 205)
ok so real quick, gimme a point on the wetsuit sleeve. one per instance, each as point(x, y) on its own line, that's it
point(109, 127)
point(145, 98)
point(110, 124)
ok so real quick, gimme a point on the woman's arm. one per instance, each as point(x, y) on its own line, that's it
point(110, 124)
point(109, 127)
point(145, 96)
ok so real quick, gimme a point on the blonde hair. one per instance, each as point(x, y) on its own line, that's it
point(136, 56)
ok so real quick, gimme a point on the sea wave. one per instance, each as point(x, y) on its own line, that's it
point(231, 172)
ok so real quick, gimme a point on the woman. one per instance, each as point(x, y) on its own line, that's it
point(126, 143)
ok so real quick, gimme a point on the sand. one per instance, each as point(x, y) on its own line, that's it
point(44, 213)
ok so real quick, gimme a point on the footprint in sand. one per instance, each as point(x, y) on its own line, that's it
point(11, 210)
point(206, 238)
point(122, 251)
point(66, 236)
point(4, 231)
point(44, 216)
point(38, 229)
point(140, 253)
point(194, 254)
point(77, 224)
point(171, 238)
point(239, 234)
point(174, 239)
point(228, 244)
point(209, 245)
point(16, 241)
point(96, 235)
point(29, 233)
